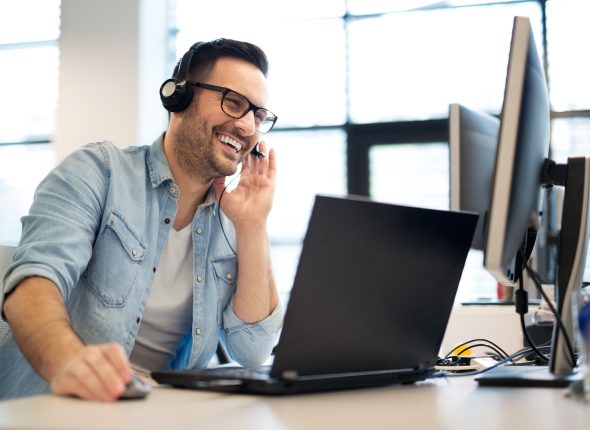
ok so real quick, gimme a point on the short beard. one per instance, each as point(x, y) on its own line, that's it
point(195, 152)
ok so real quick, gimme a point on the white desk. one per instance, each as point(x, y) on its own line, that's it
point(442, 404)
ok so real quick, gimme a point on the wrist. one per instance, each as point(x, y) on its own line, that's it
point(250, 226)
point(58, 355)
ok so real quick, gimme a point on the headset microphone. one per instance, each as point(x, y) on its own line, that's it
point(255, 152)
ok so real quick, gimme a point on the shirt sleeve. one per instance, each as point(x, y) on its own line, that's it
point(251, 344)
point(60, 229)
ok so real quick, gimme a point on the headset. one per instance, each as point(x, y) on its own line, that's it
point(176, 95)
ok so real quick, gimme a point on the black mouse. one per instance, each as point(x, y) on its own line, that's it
point(136, 389)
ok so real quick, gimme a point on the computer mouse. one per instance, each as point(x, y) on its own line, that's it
point(136, 389)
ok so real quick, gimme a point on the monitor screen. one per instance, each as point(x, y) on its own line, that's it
point(472, 147)
point(523, 145)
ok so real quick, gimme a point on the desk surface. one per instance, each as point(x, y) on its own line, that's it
point(452, 404)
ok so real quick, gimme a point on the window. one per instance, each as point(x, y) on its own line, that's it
point(362, 89)
point(568, 37)
point(29, 57)
point(423, 60)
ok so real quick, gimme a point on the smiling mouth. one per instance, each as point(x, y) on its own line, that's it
point(232, 143)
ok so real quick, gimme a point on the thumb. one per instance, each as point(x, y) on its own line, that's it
point(218, 186)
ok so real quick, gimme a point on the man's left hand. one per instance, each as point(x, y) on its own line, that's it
point(250, 202)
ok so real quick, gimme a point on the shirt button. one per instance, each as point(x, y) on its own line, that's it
point(172, 190)
point(133, 252)
point(229, 276)
point(199, 278)
point(166, 220)
point(198, 331)
point(199, 230)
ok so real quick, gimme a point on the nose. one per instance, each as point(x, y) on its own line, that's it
point(246, 124)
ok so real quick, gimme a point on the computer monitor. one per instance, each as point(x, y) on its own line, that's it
point(473, 136)
point(523, 145)
point(521, 170)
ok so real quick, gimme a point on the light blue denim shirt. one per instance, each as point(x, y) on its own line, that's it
point(97, 227)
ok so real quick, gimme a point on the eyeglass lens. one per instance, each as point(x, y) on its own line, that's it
point(236, 105)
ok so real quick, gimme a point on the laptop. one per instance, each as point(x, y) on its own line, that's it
point(371, 299)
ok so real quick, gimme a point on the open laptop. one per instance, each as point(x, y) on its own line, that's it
point(369, 306)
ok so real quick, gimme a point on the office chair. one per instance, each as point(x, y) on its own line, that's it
point(5, 259)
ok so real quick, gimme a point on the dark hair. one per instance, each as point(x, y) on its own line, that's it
point(206, 54)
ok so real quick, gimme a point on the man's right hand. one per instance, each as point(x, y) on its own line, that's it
point(41, 327)
point(96, 372)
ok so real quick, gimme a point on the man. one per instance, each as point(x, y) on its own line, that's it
point(125, 256)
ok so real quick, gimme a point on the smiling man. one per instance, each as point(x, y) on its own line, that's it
point(129, 257)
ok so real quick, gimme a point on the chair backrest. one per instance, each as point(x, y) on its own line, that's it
point(5, 259)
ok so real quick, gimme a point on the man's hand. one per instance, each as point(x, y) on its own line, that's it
point(250, 202)
point(96, 372)
point(248, 206)
point(41, 327)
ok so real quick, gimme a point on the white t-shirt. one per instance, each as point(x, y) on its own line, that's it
point(168, 315)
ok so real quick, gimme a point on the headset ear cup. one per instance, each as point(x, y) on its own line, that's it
point(175, 96)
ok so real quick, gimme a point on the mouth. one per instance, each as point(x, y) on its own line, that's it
point(230, 142)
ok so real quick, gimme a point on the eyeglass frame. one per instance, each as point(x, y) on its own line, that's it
point(225, 91)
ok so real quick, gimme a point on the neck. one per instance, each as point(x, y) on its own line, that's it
point(192, 189)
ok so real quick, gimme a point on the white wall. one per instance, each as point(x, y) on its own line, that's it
point(112, 62)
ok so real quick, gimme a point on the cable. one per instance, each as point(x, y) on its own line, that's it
point(503, 354)
point(530, 341)
point(534, 277)
point(219, 210)
point(480, 345)
point(521, 300)
point(514, 357)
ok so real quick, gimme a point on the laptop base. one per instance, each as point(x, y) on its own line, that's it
point(198, 380)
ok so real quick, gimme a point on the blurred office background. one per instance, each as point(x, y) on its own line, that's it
point(361, 88)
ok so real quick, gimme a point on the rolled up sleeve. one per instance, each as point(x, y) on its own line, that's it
point(251, 344)
point(62, 223)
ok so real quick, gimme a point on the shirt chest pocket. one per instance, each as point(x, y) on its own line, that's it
point(116, 260)
point(225, 271)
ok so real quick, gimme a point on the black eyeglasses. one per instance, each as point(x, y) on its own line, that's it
point(237, 106)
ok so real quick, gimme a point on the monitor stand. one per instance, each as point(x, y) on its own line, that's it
point(525, 376)
point(573, 246)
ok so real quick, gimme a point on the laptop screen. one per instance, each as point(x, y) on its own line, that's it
point(374, 287)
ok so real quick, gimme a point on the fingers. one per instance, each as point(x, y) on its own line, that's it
point(97, 372)
point(272, 163)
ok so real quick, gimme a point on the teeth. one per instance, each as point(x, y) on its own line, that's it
point(233, 143)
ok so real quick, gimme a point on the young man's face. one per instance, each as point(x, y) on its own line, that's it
point(210, 142)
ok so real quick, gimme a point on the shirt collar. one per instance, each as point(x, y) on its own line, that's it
point(157, 162)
